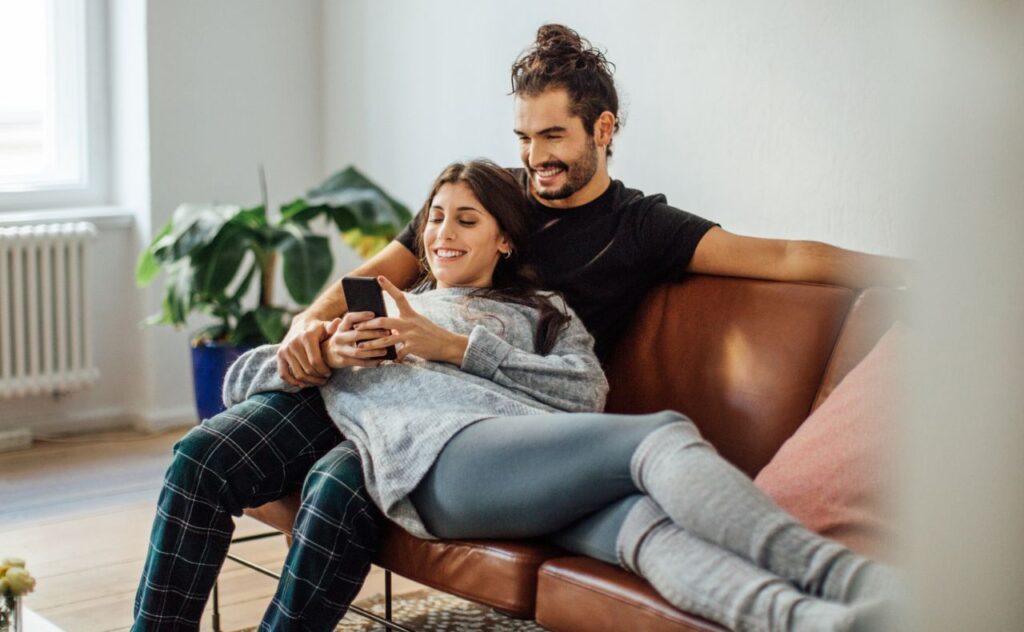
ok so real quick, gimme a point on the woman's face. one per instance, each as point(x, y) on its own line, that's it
point(462, 240)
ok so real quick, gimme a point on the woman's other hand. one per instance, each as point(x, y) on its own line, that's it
point(341, 347)
point(414, 333)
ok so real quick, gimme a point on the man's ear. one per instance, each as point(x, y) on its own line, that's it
point(604, 128)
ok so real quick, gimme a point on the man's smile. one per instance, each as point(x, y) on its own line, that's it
point(547, 173)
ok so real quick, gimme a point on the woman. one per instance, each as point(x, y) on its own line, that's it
point(465, 435)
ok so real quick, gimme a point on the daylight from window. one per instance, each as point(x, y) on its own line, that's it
point(41, 100)
point(24, 92)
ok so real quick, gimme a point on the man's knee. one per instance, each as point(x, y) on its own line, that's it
point(337, 476)
point(204, 458)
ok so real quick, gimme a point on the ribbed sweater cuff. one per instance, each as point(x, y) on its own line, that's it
point(484, 353)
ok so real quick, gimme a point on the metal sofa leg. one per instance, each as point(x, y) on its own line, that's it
point(387, 597)
point(216, 607)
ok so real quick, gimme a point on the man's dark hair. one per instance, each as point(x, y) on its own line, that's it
point(560, 58)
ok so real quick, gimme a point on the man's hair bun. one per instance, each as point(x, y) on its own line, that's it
point(560, 58)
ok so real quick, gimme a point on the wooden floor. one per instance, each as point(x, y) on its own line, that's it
point(79, 512)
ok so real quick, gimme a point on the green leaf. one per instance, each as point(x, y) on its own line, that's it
point(247, 331)
point(272, 323)
point(370, 206)
point(214, 332)
point(244, 285)
point(307, 262)
point(215, 265)
point(299, 211)
point(178, 297)
point(148, 267)
point(193, 226)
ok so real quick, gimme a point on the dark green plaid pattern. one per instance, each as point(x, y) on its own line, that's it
point(255, 452)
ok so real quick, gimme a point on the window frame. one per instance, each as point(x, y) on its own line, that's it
point(93, 187)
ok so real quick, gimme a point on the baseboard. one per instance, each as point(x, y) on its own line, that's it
point(166, 419)
point(15, 439)
point(106, 419)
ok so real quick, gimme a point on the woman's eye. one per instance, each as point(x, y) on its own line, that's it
point(465, 223)
point(434, 220)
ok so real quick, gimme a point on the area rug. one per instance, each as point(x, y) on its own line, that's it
point(432, 611)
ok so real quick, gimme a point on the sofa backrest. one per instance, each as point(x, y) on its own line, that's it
point(873, 312)
point(743, 358)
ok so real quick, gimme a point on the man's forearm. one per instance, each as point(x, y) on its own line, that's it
point(824, 263)
point(394, 262)
point(328, 306)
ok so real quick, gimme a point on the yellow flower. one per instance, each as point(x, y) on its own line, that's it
point(19, 582)
point(13, 561)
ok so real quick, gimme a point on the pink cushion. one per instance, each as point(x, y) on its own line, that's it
point(832, 474)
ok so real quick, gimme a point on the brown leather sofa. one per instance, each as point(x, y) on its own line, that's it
point(746, 360)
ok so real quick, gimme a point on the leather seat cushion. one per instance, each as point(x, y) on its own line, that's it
point(579, 593)
point(498, 573)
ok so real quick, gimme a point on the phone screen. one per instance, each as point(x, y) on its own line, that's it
point(363, 294)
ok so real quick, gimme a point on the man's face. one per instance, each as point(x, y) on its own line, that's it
point(559, 154)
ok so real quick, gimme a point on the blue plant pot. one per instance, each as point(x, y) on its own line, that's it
point(210, 361)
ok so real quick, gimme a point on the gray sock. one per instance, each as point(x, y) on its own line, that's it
point(706, 580)
point(708, 497)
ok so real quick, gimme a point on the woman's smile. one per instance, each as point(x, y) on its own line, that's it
point(447, 255)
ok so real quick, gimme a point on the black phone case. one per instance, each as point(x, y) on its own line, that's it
point(363, 294)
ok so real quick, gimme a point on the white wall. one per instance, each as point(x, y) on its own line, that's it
point(771, 118)
point(202, 92)
point(964, 472)
point(232, 84)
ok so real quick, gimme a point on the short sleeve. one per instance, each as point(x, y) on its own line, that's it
point(408, 236)
point(667, 237)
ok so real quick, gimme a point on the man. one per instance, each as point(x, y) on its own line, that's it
point(623, 243)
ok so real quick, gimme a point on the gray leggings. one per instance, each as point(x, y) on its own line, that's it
point(562, 476)
point(651, 494)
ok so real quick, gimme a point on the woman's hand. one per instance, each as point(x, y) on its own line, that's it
point(413, 333)
point(341, 347)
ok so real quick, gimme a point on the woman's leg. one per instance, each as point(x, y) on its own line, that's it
point(251, 454)
point(707, 580)
point(708, 497)
point(524, 476)
point(333, 539)
point(512, 477)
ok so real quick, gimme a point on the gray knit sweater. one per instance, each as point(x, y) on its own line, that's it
point(400, 416)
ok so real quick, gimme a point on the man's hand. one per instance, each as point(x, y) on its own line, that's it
point(348, 346)
point(299, 360)
point(414, 333)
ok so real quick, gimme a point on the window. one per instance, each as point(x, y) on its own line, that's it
point(52, 103)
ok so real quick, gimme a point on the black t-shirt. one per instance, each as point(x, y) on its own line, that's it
point(605, 255)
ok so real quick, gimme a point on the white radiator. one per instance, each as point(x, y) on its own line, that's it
point(44, 326)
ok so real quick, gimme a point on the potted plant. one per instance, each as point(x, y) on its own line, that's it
point(213, 254)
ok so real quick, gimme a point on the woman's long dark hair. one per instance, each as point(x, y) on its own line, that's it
point(513, 281)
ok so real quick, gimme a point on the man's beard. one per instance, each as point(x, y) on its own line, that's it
point(577, 174)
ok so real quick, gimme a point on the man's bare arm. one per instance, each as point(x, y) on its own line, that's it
point(394, 262)
point(726, 254)
point(300, 361)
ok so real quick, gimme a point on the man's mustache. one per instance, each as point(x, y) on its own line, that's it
point(550, 165)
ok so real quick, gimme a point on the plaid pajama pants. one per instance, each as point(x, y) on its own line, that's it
point(253, 453)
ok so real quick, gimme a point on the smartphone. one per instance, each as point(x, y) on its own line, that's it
point(363, 294)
